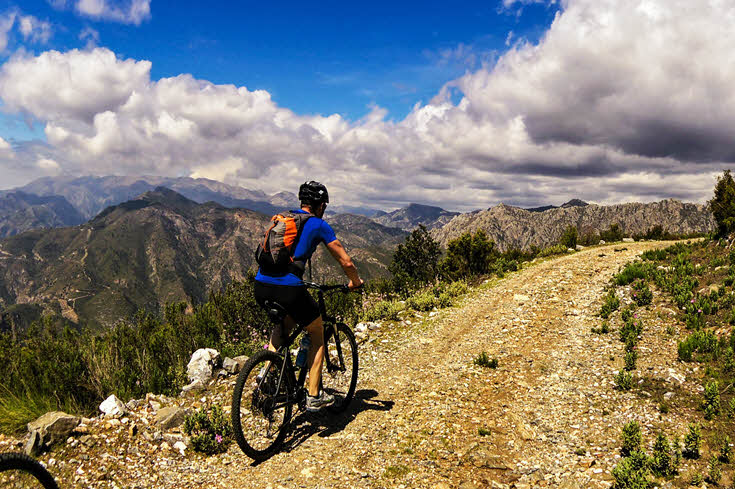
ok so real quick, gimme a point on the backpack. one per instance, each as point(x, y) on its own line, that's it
point(275, 254)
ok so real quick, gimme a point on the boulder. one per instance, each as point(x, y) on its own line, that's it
point(54, 427)
point(234, 365)
point(201, 365)
point(580, 247)
point(195, 386)
point(628, 240)
point(602, 241)
point(170, 417)
point(112, 406)
point(34, 444)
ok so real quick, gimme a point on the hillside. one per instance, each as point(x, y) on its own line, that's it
point(512, 227)
point(20, 211)
point(426, 416)
point(409, 218)
point(158, 248)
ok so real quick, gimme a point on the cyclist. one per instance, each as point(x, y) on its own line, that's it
point(289, 291)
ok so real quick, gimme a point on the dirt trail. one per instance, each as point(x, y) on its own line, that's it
point(425, 416)
point(421, 401)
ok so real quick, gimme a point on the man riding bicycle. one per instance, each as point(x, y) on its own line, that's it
point(288, 289)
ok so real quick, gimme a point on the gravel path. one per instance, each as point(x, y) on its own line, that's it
point(426, 417)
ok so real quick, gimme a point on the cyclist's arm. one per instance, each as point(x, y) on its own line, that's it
point(339, 254)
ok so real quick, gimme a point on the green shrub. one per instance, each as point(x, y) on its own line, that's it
point(654, 255)
point(444, 300)
point(628, 313)
point(722, 204)
point(630, 331)
point(424, 301)
point(416, 261)
point(469, 255)
point(624, 380)
point(603, 329)
point(703, 342)
point(664, 461)
point(642, 295)
point(630, 360)
point(726, 451)
point(632, 472)
point(210, 431)
point(610, 304)
point(569, 237)
point(388, 310)
point(483, 360)
point(692, 442)
point(711, 404)
point(728, 360)
point(457, 288)
point(636, 270)
point(715, 472)
point(558, 249)
point(631, 438)
point(612, 234)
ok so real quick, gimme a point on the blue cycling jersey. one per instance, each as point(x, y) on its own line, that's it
point(315, 231)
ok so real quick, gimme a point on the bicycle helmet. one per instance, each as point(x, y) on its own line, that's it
point(313, 193)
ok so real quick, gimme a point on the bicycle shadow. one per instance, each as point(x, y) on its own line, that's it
point(326, 424)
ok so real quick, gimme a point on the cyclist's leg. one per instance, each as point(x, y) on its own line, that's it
point(280, 332)
point(316, 355)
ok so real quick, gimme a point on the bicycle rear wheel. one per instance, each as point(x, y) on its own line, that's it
point(261, 410)
point(19, 471)
point(339, 376)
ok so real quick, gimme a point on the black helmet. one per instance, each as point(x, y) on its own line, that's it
point(311, 193)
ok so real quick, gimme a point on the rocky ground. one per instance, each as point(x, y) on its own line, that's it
point(425, 416)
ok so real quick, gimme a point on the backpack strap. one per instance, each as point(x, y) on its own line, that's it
point(297, 267)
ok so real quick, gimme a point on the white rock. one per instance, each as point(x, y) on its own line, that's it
point(602, 241)
point(361, 327)
point(628, 240)
point(201, 364)
point(180, 446)
point(675, 376)
point(113, 406)
point(580, 247)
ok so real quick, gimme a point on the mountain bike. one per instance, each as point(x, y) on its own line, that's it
point(18, 470)
point(267, 387)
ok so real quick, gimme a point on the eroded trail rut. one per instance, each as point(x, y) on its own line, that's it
point(421, 401)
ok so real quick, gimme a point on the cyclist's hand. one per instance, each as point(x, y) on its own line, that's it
point(353, 286)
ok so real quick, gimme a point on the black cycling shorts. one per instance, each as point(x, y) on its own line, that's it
point(297, 301)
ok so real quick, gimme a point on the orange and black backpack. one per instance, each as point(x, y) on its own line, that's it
point(275, 253)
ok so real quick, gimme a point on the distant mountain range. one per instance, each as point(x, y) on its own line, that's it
point(513, 227)
point(20, 211)
point(157, 248)
point(571, 203)
point(409, 218)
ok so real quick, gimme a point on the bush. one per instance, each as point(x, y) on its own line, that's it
point(632, 271)
point(722, 204)
point(210, 431)
point(483, 360)
point(569, 237)
point(469, 255)
point(630, 331)
point(642, 295)
point(702, 342)
point(630, 359)
point(553, 250)
point(632, 472)
point(614, 233)
point(715, 472)
point(711, 404)
point(692, 442)
point(416, 261)
point(424, 301)
point(726, 451)
point(610, 304)
point(389, 310)
point(665, 460)
point(631, 438)
point(624, 380)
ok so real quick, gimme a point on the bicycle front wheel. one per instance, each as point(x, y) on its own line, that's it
point(261, 408)
point(19, 471)
point(339, 376)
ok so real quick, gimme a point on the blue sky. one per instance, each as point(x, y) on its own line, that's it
point(461, 105)
point(333, 57)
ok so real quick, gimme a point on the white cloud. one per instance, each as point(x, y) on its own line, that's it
point(5, 146)
point(621, 99)
point(90, 35)
point(127, 11)
point(33, 29)
point(6, 24)
point(47, 164)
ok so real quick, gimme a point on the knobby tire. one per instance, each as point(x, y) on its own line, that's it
point(24, 464)
point(345, 356)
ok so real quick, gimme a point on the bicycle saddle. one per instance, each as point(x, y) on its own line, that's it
point(275, 311)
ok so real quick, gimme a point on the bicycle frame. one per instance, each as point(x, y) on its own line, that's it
point(293, 395)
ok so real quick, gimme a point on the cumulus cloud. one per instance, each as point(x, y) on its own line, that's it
point(34, 30)
point(126, 11)
point(620, 100)
point(6, 24)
